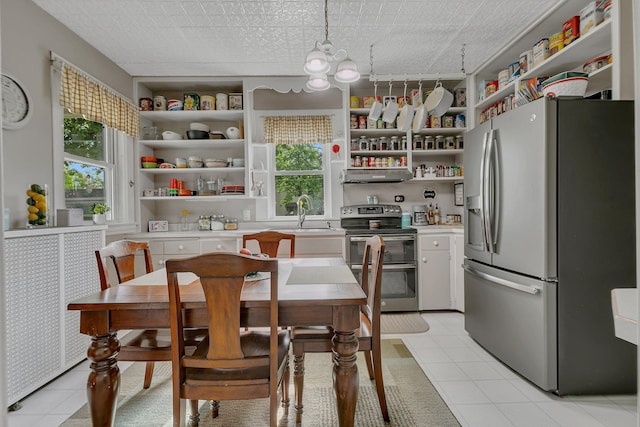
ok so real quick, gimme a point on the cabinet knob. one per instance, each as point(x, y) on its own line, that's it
point(436, 243)
point(424, 259)
point(219, 246)
point(181, 247)
point(161, 262)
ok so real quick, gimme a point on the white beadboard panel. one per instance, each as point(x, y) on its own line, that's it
point(32, 313)
point(80, 279)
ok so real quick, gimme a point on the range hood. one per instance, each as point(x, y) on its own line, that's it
point(363, 176)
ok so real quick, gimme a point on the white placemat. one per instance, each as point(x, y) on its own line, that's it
point(340, 274)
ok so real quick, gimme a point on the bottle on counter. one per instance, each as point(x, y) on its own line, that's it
point(436, 215)
point(430, 218)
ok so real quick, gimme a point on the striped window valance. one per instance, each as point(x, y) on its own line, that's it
point(298, 130)
point(82, 94)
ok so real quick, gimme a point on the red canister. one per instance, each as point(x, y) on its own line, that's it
point(146, 104)
point(173, 183)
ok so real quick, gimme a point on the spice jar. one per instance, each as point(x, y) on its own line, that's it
point(231, 224)
point(439, 142)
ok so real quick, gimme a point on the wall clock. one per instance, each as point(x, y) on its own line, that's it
point(16, 103)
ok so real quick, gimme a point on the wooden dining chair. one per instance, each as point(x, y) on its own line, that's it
point(230, 363)
point(319, 339)
point(150, 345)
point(269, 242)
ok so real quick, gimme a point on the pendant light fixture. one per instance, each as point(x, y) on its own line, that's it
point(318, 61)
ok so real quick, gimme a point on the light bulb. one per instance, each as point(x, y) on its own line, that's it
point(317, 62)
point(347, 71)
point(318, 82)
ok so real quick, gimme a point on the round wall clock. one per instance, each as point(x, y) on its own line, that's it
point(16, 103)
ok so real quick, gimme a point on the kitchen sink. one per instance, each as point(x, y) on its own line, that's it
point(301, 230)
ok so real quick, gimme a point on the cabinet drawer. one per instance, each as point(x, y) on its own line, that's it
point(182, 246)
point(319, 246)
point(434, 243)
point(156, 247)
point(219, 245)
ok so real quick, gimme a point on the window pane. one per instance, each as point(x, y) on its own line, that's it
point(83, 186)
point(290, 187)
point(83, 138)
point(299, 157)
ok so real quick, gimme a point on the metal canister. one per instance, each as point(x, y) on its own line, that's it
point(365, 161)
point(222, 101)
point(357, 162)
point(207, 102)
point(191, 101)
point(159, 103)
point(354, 102)
point(372, 162)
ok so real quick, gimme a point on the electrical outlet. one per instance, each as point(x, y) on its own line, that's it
point(246, 215)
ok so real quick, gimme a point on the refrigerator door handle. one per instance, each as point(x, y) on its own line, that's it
point(483, 190)
point(509, 284)
point(492, 191)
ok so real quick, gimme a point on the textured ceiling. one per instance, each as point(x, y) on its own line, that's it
point(272, 37)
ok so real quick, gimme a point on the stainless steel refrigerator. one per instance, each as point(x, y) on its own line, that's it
point(549, 231)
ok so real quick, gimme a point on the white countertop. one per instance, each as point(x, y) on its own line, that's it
point(624, 302)
point(43, 231)
point(439, 229)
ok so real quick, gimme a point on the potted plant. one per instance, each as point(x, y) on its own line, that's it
point(99, 211)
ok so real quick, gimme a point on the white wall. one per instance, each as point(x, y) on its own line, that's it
point(29, 34)
point(3, 357)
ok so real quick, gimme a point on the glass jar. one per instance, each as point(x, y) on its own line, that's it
point(418, 143)
point(429, 143)
point(217, 222)
point(395, 143)
point(374, 144)
point(204, 223)
point(231, 224)
point(403, 143)
point(449, 143)
point(439, 142)
point(459, 142)
point(363, 143)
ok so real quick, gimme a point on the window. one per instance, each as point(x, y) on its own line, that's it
point(300, 169)
point(88, 164)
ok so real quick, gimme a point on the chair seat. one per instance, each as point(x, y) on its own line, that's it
point(254, 344)
point(154, 345)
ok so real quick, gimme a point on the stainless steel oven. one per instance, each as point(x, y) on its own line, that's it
point(399, 270)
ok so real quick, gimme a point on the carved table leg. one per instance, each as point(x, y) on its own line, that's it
point(298, 380)
point(345, 376)
point(104, 379)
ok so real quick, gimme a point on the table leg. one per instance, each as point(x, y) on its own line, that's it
point(104, 379)
point(345, 375)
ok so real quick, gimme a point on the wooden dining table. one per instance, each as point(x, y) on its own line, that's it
point(311, 292)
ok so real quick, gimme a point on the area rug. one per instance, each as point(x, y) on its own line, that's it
point(411, 398)
point(403, 323)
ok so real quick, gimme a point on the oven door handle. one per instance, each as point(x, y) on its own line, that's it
point(388, 267)
point(404, 238)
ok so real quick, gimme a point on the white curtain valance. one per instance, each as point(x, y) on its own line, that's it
point(298, 130)
point(82, 94)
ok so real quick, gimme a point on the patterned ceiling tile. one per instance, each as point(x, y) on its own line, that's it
point(264, 37)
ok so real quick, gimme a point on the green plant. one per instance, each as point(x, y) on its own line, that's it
point(99, 208)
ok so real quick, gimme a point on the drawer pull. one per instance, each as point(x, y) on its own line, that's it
point(181, 247)
point(424, 259)
point(219, 246)
point(436, 243)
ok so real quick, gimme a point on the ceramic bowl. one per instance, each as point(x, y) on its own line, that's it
point(167, 134)
point(239, 163)
point(215, 163)
point(566, 84)
point(197, 134)
point(199, 126)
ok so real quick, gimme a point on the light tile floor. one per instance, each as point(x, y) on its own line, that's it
point(479, 390)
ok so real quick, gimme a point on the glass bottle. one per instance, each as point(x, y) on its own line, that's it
point(184, 220)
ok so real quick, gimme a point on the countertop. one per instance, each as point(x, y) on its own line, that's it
point(304, 232)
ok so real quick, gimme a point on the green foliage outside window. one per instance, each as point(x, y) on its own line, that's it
point(304, 158)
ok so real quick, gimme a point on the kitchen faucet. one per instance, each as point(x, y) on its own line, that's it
point(302, 212)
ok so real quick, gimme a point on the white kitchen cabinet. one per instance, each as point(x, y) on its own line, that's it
point(458, 273)
point(220, 244)
point(173, 248)
point(434, 272)
point(606, 38)
point(168, 150)
point(45, 270)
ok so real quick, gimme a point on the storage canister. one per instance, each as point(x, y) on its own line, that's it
point(235, 101)
point(207, 102)
point(191, 101)
point(222, 101)
point(439, 142)
point(146, 104)
point(159, 103)
point(231, 224)
point(354, 102)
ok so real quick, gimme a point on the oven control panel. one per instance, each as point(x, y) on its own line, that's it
point(371, 211)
